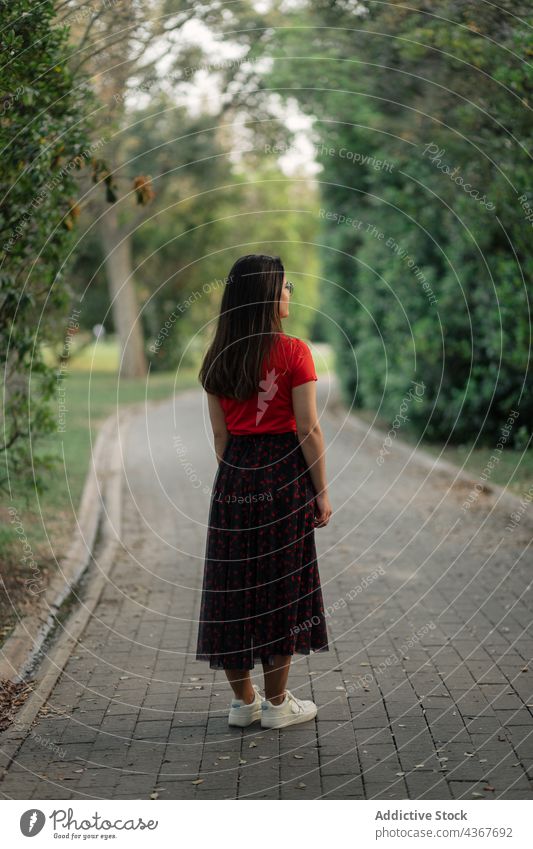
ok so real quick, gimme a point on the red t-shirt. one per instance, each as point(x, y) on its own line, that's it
point(269, 410)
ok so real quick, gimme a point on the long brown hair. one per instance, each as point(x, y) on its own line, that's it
point(246, 329)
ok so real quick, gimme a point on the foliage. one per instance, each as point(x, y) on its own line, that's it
point(44, 144)
point(423, 128)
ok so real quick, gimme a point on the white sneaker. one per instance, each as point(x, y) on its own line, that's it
point(242, 714)
point(289, 712)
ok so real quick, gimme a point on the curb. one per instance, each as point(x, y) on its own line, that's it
point(100, 510)
point(18, 653)
point(334, 406)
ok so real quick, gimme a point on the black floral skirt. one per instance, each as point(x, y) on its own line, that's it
point(261, 592)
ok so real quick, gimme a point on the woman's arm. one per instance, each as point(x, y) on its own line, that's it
point(218, 423)
point(310, 433)
point(311, 441)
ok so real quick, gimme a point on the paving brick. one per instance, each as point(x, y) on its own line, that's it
point(342, 787)
point(138, 714)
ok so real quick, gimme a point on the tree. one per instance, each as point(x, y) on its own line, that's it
point(124, 47)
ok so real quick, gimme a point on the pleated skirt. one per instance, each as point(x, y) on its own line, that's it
point(261, 593)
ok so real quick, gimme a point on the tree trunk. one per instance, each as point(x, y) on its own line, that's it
point(123, 296)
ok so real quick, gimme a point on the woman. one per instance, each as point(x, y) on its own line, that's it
point(261, 596)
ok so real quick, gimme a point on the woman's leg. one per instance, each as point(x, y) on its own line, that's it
point(241, 684)
point(276, 678)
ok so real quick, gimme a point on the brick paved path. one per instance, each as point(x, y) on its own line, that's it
point(426, 692)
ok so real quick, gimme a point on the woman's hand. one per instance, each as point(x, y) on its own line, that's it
point(323, 510)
